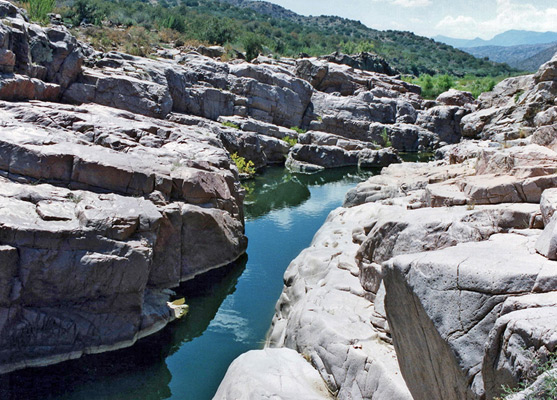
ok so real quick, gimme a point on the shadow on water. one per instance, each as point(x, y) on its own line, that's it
point(138, 372)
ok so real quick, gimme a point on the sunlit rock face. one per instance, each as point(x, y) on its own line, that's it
point(449, 264)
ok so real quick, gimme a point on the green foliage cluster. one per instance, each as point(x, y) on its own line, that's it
point(549, 388)
point(385, 137)
point(298, 130)
point(433, 86)
point(292, 141)
point(230, 124)
point(39, 9)
point(244, 167)
point(215, 22)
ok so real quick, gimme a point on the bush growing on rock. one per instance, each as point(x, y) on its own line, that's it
point(244, 166)
point(433, 85)
point(292, 141)
point(39, 9)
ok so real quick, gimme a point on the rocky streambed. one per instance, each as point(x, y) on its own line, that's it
point(117, 185)
point(433, 281)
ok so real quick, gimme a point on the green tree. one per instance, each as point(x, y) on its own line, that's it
point(445, 82)
point(253, 45)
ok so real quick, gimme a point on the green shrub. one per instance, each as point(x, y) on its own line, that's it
point(253, 45)
point(433, 86)
point(292, 141)
point(385, 138)
point(298, 129)
point(244, 167)
point(39, 9)
point(549, 383)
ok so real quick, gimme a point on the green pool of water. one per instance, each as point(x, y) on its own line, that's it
point(230, 309)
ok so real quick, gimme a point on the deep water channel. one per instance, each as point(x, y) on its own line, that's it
point(230, 309)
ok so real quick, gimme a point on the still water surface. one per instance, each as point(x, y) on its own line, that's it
point(230, 309)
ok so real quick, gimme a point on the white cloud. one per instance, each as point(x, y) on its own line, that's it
point(510, 14)
point(412, 3)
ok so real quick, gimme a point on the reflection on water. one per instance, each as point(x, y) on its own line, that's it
point(278, 188)
point(230, 309)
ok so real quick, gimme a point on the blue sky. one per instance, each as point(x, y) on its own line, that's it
point(457, 18)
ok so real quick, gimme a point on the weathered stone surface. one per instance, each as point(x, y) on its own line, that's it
point(49, 54)
point(444, 121)
point(457, 295)
point(547, 72)
point(329, 156)
point(19, 87)
point(364, 61)
point(211, 51)
point(546, 136)
point(122, 92)
point(516, 106)
point(454, 97)
point(548, 204)
point(521, 341)
point(323, 313)
point(280, 374)
point(398, 230)
point(546, 244)
point(398, 180)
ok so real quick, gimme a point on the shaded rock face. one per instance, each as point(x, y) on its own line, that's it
point(32, 54)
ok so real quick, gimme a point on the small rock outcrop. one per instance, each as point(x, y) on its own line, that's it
point(364, 61)
point(517, 108)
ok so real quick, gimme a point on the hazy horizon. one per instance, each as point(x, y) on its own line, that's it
point(464, 20)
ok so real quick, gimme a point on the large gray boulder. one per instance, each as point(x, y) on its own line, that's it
point(457, 295)
point(281, 374)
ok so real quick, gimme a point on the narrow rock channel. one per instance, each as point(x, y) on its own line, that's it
point(230, 309)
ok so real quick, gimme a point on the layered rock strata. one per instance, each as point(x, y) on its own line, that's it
point(102, 212)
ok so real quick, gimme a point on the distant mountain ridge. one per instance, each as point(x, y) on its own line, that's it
point(508, 38)
point(405, 51)
point(527, 57)
point(524, 50)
